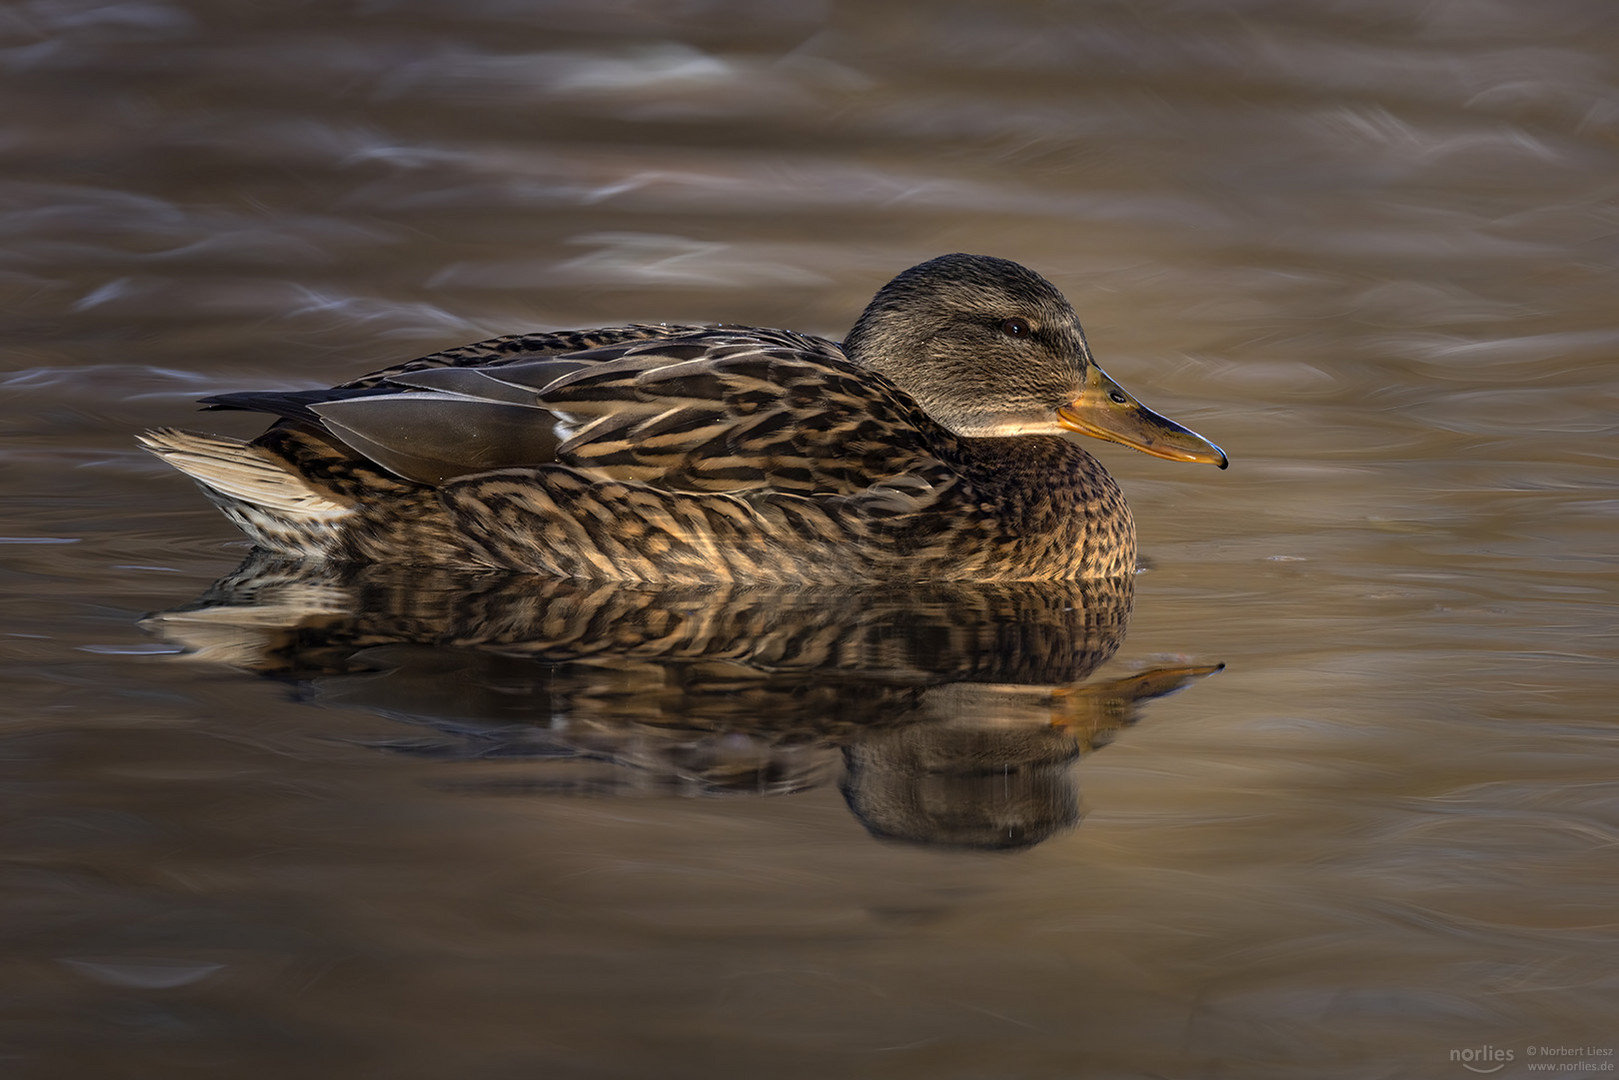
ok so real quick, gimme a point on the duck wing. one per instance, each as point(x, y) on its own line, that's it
point(518, 348)
point(736, 410)
point(721, 409)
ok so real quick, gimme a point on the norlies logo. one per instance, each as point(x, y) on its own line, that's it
point(1482, 1059)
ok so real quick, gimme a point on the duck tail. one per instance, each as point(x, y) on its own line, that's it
point(258, 490)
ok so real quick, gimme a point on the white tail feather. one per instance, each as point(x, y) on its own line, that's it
point(245, 473)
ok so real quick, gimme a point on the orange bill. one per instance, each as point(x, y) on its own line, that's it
point(1105, 411)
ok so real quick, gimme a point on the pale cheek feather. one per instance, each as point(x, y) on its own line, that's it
point(1000, 427)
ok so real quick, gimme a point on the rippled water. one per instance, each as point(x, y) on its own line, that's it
point(416, 828)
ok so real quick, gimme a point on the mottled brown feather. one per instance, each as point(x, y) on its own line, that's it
point(681, 453)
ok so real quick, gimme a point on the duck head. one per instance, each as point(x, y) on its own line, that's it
point(990, 348)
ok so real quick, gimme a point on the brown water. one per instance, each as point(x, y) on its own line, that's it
point(1368, 247)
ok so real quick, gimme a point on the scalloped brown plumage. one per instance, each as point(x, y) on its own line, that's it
point(932, 446)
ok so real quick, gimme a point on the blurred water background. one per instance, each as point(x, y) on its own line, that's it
point(1367, 246)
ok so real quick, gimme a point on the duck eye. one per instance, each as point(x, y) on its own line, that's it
point(1015, 328)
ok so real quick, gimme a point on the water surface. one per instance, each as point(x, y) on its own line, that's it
point(413, 829)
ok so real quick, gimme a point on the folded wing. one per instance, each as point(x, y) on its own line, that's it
point(711, 410)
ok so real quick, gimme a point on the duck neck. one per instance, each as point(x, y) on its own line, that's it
point(1053, 497)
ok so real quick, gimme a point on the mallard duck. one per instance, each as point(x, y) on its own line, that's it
point(933, 444)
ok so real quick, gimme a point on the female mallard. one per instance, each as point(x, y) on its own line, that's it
point(931, 445)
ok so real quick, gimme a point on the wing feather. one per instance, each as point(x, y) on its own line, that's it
point(719, 409)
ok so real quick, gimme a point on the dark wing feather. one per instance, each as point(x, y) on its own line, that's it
point(288, 404)
point(431, 437)
point(718, 410)
point(493, 384)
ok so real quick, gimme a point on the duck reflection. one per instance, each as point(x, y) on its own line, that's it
point(952, 712)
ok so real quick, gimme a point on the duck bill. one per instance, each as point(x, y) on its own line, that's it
point(1105, 411)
